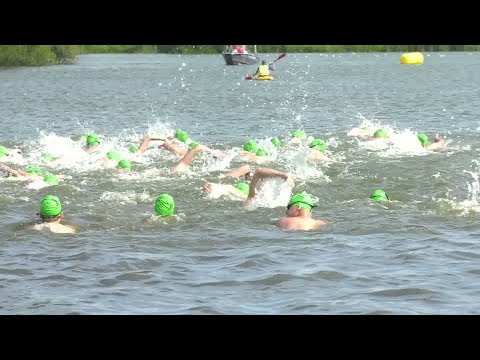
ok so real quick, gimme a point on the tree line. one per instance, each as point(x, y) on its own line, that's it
point(35, 55)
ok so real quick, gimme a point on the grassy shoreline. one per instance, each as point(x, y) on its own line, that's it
point(40, 55)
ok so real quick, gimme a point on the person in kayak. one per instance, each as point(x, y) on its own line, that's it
point(262, 71)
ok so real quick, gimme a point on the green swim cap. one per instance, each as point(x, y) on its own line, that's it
point(48, 156)
point(302, 200)
point(3, 151)
point(50, 206)
point(380, 133)
point(113, 155)
point(192, 144)
point(298, 134)
point(92, 140)
point(181, 136)
point(34, 171)
point(379, 195)
point(423, 139)
point(125, 164)
point(318, 144)
point(243, 187)
point(50, 179)
point(250, 146)
point(261, 152)
point(164, 205)
point(276, 141)
point(133, 149)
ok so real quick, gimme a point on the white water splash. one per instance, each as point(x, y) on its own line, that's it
point(37, 185)
point(271, 194)
point(470, 204)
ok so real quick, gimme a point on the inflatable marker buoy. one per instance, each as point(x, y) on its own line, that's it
point(411, 58)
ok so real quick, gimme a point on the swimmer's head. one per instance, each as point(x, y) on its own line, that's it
point(250, 146)
point(379, 195)
point(181, 135)
point(298, 134)
point(32, 170)
point(48, 156)
point(261, 152)
point(381, 133)
point(243, 187)
point(276, 141)
point(3, 151)
point(192, 144)
point(164, 205)
point(50, 206)
point(423, 139)
point(113, 155)
point(125, 165)
point(318, 144)
point(301, 200)
point(50, 179)
point(92, 140)
point(133, 149)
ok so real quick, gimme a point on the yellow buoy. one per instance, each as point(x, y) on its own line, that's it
point(411, 58)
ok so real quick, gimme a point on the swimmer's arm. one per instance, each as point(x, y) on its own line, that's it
point(187, 159)
point(12, 171)
point(241, 171)
point(146, 141)
point(168, 145)
point(265, 173)
point(217, 153)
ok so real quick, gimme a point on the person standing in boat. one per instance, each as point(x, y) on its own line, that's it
point(262, 70)
point(238, 49)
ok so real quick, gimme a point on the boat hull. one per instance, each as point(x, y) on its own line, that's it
point(240, 59)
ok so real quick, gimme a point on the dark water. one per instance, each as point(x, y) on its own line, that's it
point(418, 254)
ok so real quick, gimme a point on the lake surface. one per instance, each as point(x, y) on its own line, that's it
point(419, 253)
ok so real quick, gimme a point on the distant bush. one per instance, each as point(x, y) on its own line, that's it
point(117, 49)
point(36, 55)
point(66, 54)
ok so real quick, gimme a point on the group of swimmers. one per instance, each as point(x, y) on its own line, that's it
point(299, 214)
